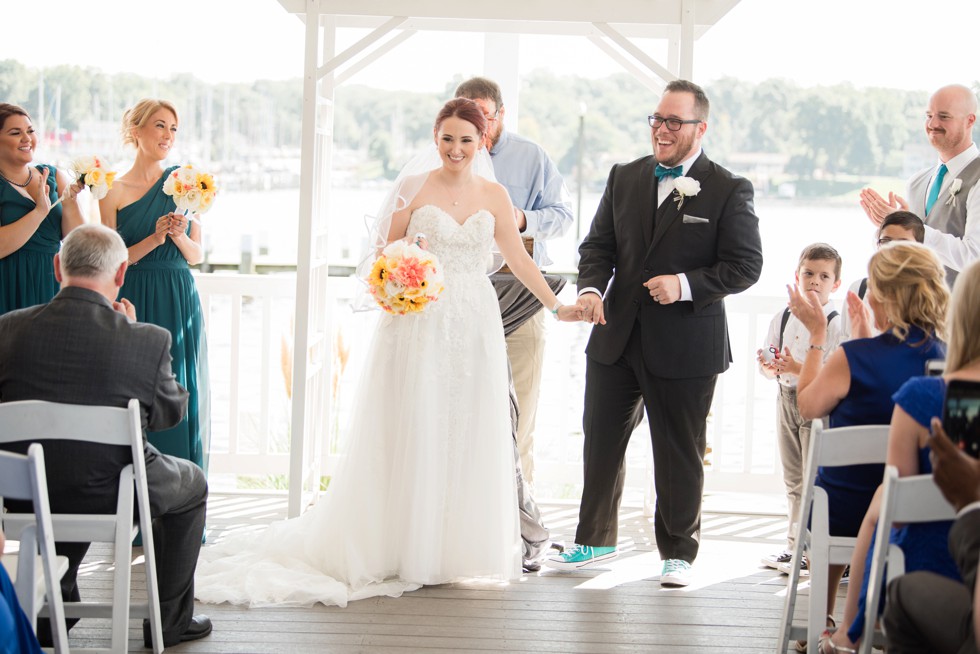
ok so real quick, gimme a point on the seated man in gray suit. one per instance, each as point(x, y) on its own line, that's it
point(83, 347)
point(929, 613)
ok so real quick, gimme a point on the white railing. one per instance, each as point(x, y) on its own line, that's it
point(248, 319)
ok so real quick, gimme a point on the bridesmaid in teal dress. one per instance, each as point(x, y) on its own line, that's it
point(30, 230)
point(162, 245)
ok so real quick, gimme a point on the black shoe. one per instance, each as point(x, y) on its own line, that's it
point(531, 566)
point(199, 627)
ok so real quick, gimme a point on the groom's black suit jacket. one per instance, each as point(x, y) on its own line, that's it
point(712, 237)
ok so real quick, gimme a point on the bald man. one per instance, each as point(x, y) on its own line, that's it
point(944, 195)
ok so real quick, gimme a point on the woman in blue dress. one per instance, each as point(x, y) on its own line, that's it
point(924, 545)
point(908, 298)
point(30, 229)
point(162, 245)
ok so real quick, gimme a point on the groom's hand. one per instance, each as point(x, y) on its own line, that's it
point(591, 307)
point(664, 289)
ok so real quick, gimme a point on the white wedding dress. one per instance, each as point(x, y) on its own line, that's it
point(427, 493)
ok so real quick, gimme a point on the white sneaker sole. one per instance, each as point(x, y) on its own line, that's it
point(675, 581)
point(558, 564)
point(769, 563)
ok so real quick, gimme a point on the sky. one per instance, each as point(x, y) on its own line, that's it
point(890, 43)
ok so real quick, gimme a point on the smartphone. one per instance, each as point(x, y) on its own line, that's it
point(935, 367)
point(961, 415)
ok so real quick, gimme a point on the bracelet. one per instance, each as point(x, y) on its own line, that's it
point(554, 310)
point(822, 348)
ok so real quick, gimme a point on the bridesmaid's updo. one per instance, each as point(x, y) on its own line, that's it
point(464, 109)
point(7, 110)
point(140, 115)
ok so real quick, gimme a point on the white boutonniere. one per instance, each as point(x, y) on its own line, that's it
point(954, 188)
point(686, 187)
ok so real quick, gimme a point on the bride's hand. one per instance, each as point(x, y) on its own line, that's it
point(570, 313)
point(419, 240)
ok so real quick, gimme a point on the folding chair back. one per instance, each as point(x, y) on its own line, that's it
point(23, 478)
point(842, 446)
point(36, 420)
point(904, 500)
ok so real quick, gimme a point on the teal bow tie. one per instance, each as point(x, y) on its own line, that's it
point(661, 172)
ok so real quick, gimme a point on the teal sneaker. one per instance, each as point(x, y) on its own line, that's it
point(580, 556)
point(676, 572)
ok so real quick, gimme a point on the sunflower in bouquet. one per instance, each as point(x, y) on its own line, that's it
point(405, 278)
point(193, 190)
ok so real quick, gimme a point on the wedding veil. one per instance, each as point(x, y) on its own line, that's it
point(404, 189)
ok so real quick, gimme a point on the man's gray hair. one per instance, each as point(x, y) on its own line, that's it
point(481, 88)
point(92, 251)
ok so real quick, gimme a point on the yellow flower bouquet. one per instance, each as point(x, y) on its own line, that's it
point(193, 190)
point(91, 171)
point(405, 278)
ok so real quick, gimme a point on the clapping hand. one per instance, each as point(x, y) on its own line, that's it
point(805, 306)
point(859, 315)
point(126, 308)
point(876, 207)
point(42, 199)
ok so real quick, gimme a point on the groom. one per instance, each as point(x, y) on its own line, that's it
point(674, 234)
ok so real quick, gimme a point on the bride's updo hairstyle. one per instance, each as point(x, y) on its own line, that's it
point(140, 114)
point(908, 280)
point(464, 109)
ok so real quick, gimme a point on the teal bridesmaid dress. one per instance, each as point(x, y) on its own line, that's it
point(27, 275)
point(162, 289)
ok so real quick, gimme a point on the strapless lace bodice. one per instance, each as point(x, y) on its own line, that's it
point(461, 247)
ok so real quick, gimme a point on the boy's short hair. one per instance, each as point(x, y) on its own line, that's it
point(821, 252)
point(905, 220)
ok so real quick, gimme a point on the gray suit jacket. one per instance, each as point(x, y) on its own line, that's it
point(78, 350)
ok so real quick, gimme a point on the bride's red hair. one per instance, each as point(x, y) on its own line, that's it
point(463, 109)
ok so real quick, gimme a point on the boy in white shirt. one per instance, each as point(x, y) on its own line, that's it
point(782, 359)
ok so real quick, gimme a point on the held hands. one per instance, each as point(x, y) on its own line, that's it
point(590, 305)
point(876, 207)
point(126, 308)
point(570, 313)
point(955, 472)
point(664, 289)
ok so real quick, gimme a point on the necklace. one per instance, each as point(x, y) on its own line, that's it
point(30, 176)
point(449, 193)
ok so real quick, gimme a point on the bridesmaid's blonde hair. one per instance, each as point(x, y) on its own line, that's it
point(140, 114)
point(908, 280)
point(964, 319)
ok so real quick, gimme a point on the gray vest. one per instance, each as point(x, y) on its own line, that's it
point(944, 217)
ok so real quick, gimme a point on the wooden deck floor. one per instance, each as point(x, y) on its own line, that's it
point(733, 606)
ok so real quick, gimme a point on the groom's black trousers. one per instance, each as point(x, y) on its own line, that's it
point(677, 409)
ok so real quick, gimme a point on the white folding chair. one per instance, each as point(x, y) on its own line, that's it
point(904, 500)
point(35, 420)
point(23, 478)
point(842, 446)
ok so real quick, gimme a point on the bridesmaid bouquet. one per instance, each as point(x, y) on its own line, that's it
point(192, 190)
point(405, 278)
point(91, 172)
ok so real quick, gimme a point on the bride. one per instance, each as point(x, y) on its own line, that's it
point(427, 493)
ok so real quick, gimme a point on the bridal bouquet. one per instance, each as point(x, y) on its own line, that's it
point(405, 278)
point(192, 190)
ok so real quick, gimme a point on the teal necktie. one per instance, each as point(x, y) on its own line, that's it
point(934, 189)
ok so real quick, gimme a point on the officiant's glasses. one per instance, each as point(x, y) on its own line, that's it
point(673, 124)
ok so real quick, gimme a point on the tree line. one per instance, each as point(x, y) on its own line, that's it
point(820, 132)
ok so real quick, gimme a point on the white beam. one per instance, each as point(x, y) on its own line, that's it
point(630, 67)
point(366, 42)
point(372, 56)
point(687, 39)
point(636, 53)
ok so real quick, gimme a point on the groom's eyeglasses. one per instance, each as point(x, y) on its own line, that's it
point(673, 124)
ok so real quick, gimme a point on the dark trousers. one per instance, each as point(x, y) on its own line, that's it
point(677, 410)
point(929, 613)
point(178, 494)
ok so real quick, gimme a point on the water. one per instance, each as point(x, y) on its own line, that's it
point(267, 221)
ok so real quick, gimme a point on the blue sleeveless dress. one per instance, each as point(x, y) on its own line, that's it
point(27, 275)
point(924, 544)
point(879, 366)
point(161, 287)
